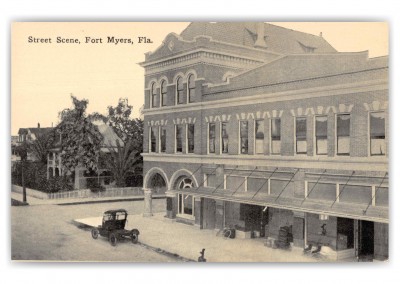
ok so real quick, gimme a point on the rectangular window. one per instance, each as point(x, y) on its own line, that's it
point(275, 136)
point(343, 134)
point(355, 193)
point(163, 140)
point(211, 180)
point(282, 188)
point(377, 133)
point(224, 137)
point(244, 137)
point(259, 133)
point(211, 138)
point(235, 183)
point(153, 139)
point(301, 135)
point(178, 138)
point(321, 135)
point(185, 204)
point(190, 138)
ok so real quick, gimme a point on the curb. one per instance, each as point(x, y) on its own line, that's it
point(107, 200)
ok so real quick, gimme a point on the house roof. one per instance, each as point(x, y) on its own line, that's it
point(277, 39)
point(109, 136)
point(35, 130)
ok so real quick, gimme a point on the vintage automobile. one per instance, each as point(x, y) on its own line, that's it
point(113, 227)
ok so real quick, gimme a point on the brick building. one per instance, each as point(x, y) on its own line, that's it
point(262, 128)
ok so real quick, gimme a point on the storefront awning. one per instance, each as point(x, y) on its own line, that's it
point(338, 209)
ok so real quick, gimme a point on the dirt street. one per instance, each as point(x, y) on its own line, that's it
point(46, 232)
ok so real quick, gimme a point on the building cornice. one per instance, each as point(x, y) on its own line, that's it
point(200, 53)
point(376, 164)
point(334, 90)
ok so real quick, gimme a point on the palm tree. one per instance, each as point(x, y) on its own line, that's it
point(124, 160)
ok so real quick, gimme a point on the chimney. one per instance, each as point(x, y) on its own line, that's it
point(320, 34)
point(38, 125)
point(260, 41)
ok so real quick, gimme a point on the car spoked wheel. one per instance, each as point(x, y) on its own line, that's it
point(113, 239)
point(95, 233)
point(134, 238)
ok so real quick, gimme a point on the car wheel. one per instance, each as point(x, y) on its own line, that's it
point(134, 238)
point(95, 233)
point(113, 239)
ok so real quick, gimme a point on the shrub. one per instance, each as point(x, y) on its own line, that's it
point(56, 184)
point(94, 185)
point(35, 176)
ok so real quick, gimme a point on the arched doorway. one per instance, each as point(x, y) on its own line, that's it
point(158, 184)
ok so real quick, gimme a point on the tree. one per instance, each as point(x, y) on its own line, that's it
point(130, 130)
point(124, 161)
point(80, 138)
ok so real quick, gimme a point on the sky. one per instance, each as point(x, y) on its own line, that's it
point(44, 75)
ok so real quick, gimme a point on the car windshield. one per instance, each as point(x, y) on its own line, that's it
point(107, 217)
point(120, 216)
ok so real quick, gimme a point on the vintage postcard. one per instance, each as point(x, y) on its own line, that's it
point(200, 142)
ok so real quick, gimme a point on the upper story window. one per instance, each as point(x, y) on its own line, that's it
point(179, 91)
point(190, 138)
point(301, 135)
point(153, 139)
point(191, 88)
point(259, 133)
point(153, 95)
point(377, 133)
point(244, 137)
point(178, 138)
point(163, 90)
point(275, 136)
point(163, 139)
point(211, 138)
point(224, 138)
point(343, 134)
point(321, 135)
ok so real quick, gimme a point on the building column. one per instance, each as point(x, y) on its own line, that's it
point(381, 241)
point(47, 173)
point(198, 212)
point(148, 194)
point(298, 228)
point(170, 204)
point(54, 165)
point(219, 214)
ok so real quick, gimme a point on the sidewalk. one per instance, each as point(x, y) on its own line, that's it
point(75, 201)
point(187, 242)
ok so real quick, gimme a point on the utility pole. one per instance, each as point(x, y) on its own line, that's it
point(23, 154)
point(23, 182)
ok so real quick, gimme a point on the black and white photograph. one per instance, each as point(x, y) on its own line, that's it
point(217, 142)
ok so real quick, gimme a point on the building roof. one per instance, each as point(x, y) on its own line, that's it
point(277, 39)
point(291, 68)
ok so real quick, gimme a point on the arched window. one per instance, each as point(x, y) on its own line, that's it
point(191, 88)
point(153, 95)
point(186, 202)
point(163, 90)
point(179, 91)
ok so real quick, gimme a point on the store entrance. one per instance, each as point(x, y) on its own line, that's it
point(366, 239)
